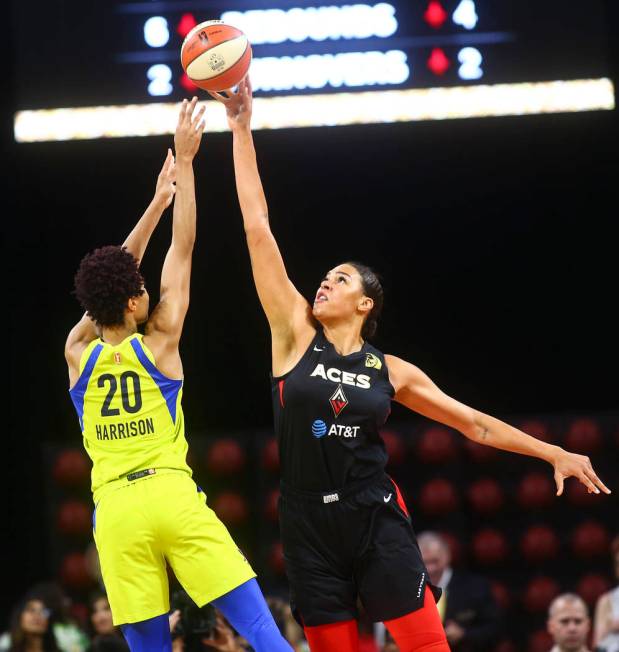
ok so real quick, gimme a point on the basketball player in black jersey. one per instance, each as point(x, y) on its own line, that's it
point(345, 528)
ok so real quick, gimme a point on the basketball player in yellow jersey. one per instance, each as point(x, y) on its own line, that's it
point(126, 389)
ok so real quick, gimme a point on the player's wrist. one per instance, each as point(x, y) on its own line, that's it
point(160, 199)
point(551, 453)
point(241, 128)
point(184, 159)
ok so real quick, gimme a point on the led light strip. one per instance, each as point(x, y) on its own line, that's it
point(325, 110)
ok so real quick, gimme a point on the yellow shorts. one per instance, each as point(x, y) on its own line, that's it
point(157, 518)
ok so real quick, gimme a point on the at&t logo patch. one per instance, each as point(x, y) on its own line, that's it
point(319, 428)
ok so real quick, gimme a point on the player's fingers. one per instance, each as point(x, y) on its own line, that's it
point(183, 111)
point(167, 164)
point(218, 96)
point(587, 482)
point(191, 108)
point(592, 475)
point(248, 85)
point(559, 481)
point(198, 116)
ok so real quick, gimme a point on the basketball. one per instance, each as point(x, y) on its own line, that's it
point(215, 56)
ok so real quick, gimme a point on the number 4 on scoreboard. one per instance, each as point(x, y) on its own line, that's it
point(465, 14)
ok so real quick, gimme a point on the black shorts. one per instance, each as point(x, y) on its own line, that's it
point(348, 544)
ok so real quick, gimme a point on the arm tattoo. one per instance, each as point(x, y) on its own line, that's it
point(484, 434)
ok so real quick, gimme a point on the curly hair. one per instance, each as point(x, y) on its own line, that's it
point(372, 288)
point(106, 279)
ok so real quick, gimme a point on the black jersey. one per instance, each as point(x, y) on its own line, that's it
point(328, 412)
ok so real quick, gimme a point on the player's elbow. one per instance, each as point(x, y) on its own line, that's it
point(474, 428)
point(257, 233)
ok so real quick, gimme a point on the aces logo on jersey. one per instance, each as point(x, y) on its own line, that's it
point(338, 401)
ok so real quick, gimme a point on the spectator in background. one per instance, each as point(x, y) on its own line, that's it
point(223, 639)
point(103, 629)
point(31, 627)
point(69, 636)
point(467, 607)
point(606, 628)
point(568, 623)
point(286, 623)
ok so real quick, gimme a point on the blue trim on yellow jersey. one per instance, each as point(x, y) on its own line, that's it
point(78, 391)
point(168, 386)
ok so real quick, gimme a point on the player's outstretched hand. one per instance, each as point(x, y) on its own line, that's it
point(568, 464)
point(238, 104)
point(166, 187)
point(189, 130)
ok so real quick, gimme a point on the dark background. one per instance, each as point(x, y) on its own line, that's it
point(493, 237)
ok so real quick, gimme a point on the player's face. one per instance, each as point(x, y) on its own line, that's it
point(34, 618)
point(569, 626)
point(436, 559)
point(101, 617)
point(340, 294)
point(141, 312)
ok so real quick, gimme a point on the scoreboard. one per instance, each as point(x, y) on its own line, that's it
point(410, 56)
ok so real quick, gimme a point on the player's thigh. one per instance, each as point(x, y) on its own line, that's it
point(132, 562)
point(199, 547)
point(390, 574)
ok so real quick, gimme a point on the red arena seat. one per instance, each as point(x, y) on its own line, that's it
point(231, 508)
point(271, 505)
point(276, 558)
point(590, 539)
point(539, 593)
point(536, 491)
point(591, 586)
point(438, 497)
point(539, 543)
point(394, 446)
point(538, 429)
point(74, 572)
point(583, 437)
point(270, 455)
point(72, 468)
point(436, 445)
point(74, 518)
point(455, 547)
point(490, 547)
point(225, 457)
point(501, 595)
point(486, 496)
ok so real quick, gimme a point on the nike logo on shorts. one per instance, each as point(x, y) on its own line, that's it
point(317, 349)
point(387, 498)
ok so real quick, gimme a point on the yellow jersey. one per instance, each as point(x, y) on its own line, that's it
point(129, 412)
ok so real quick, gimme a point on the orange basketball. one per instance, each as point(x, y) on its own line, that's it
point(215, 56)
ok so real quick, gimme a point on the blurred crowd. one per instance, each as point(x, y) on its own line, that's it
point(43, 621)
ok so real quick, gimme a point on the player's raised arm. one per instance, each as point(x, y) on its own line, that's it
point(85, 331)
point(288, 312)
point(416, 391)
point(168, 317)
